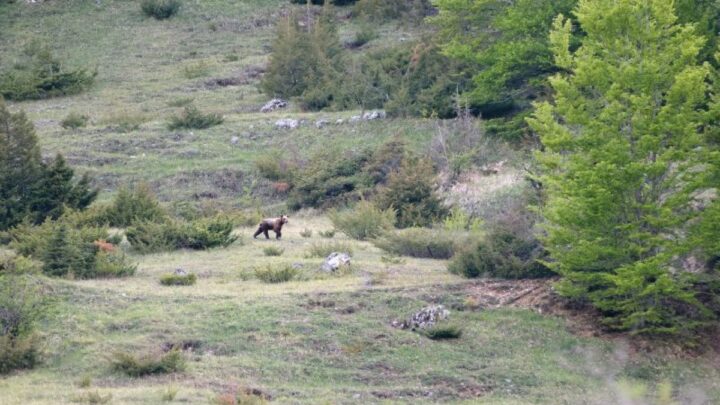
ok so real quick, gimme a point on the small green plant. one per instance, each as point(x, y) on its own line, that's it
point(134, 366)
point(125, 121)
point(74, 121)
point(323, 250)
point(329, 234)
point(195, 70)
point(306, 233)
point(160, 9)
point(273, 251)
point(92, 397)
point(180, 102)
point(21, 304)
point(192, 118)
point(85, 382)
point(392, 260)
point(364, 221)
point(459, 220)
point(443, 331)
point(276, 273)
point(169, 393)
point(178, 279)
point(363, 36)
point(231, 57)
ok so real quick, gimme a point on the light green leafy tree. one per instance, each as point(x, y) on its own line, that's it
point(623, 144)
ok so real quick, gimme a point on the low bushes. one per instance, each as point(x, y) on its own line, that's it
point(273, 251)
point(21, 304)
point(150, 237)
point(160, 9)
point(422, 242)
point(178, 279)
point(134, 366)
point(192, 118)
point(503, 254)
point(364, 221)
point(276, 273)
point(443, 331)
point(323, 250)
point(130, 205)
point(74, 121)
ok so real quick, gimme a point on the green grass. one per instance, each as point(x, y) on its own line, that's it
point(314, 339)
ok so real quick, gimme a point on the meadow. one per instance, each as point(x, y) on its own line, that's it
point(319, 338)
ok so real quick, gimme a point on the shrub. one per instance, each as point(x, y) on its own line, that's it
point(411, 192)
point(93, 397)
point(10, 263)
point(364, 221)
point(134, 366)
point(110, 265)
point(276, 274)
point(195, 70)
point(329, 234)
point(130, 205)
point(273, 251)
point(74, 121)
point(192, 118)
point(363, 36)
point(178, 279)
point(503, 254)
point(21, 304)
point(273, 167)
point(125, 121)
point(149, 237)
point(306, 233)
point(323, 250)
point(180, 102)
point(160, 9)
point(459, 220)
point(422, 242)
point(40, 75)
point(443, 331)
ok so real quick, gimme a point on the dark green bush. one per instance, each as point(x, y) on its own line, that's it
point(74, 121)
point(134, 366)
point(131, 205)
point(150, 237)
point(422, 242)
point(503, 254)
point(39, 75)
point(273, 166)
point(21, 304)
point(192, 118)
point(443, 331)
point(276, 273)
point(160, 9)
point(411, 192)
point(364, 221)
point(178, 279)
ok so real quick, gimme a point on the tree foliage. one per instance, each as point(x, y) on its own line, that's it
point(622, 144)
point(29, 187)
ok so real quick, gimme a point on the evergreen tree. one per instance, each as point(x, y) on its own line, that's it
point(29, 187)
point(622, 144)
point(58, 258)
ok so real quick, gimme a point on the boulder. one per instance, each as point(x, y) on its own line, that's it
point(321, 123)
point(355, 118)
point(424, 318)
point(274, 104)
point(287, 123)
point(235, 140)
point(334, 261)
point(373, 115)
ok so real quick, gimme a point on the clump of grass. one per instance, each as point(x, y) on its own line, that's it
point(422, 242)
point(195, 70)
point(160, 9)
point(178, 279)
point(74, 121)
point(329, 234)
point(443, 332)
point(85, 382)
point(324, 249)
point(364, 221)
point(192, 118)
point(125, 121)
point(93, 397)
point(388, 259)
point(134, 366)
point(276, 273)
point(273, 251)
point(231, 57)
point(169, 394)
point(180, 102)
point(306, 233)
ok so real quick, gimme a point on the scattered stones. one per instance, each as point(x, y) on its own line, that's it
point(287, 123)
point(424, 318)
point(340, 121)
point(355, 118)
point(334, 261)
point(234, 140)
point(180, 272)
point(373, 115)
point(321, 123)
point(274, 104)
point(297, 266)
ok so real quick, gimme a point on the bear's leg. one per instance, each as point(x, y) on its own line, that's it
point(265, 231)
point(278, 234)
point(258, 232)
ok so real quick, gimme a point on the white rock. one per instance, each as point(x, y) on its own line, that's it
point(287, 123)
point(334, 261)
point(274, 104)
point(321, 123)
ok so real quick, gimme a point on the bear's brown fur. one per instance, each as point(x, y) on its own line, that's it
point(275, 224)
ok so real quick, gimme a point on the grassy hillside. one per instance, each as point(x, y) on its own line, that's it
point(318, 339)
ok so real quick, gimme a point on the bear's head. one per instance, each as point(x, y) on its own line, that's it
point(283, 219)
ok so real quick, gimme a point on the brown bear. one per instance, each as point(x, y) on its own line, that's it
point(275, 224)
